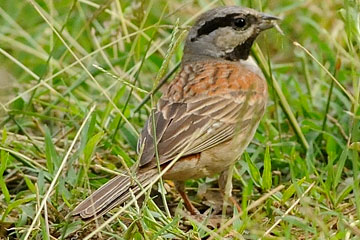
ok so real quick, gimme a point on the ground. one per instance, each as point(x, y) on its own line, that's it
point(74, 78)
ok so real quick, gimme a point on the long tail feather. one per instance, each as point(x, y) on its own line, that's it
point(112, 194)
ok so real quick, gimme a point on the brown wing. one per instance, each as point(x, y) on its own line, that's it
point(211, 99)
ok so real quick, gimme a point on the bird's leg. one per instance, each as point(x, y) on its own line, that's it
point(180, 187)
point(225, 185)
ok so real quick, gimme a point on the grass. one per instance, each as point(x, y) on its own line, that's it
point(79, 79)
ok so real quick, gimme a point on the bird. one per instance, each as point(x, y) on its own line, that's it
point(208, 114)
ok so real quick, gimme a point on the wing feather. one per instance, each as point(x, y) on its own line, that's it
point(215, 118)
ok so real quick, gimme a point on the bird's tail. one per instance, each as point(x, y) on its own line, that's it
point(113, 193)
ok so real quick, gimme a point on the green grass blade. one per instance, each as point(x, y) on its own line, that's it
point(253, 170)
point(267, 174)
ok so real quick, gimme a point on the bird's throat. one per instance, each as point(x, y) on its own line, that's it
point(241, 51)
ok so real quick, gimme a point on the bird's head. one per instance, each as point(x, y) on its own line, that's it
point(226, 32)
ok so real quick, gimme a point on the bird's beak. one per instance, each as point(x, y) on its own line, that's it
point(267, 21)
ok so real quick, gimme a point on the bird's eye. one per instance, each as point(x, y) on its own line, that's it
point(240, 22)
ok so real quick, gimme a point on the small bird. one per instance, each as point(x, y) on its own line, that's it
point(209, 112)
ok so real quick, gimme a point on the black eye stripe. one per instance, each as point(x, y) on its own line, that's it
point(212, 25)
